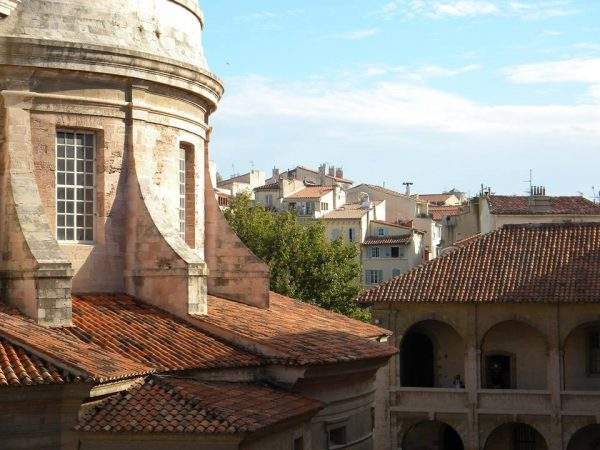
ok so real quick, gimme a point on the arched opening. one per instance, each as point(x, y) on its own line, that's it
point(588, 438)
point(582, 358)
point(515, 436)
point(432, 435)
point(432, 355)
point(514, 356)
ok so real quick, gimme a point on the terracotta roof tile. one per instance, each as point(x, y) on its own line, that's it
point(86, 359)
point(150, 336)
point(348, 211)
point(296, 333)
point(435, 198)
point(311, 192)
point(553, 263)
point(173, 405)
point(575, 205)
point(268, 187)
point(388, 240)
point(439, 212)
point(19, 367)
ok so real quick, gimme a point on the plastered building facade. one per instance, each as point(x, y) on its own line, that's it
point(121, 282)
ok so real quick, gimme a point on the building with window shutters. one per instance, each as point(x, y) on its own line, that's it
point(131, 316)
point(499, 342)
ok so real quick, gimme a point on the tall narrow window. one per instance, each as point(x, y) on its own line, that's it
point(182, 196)
point(75, 153)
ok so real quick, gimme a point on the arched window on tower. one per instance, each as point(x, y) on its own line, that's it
point(187, 193)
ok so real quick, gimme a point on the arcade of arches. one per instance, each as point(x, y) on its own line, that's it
point(494, 371)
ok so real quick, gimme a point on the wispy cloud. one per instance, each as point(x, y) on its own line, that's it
point(433, 9)
point(577, 70)
point(420, 73)
point(395, 106)
point(267, 20)
point(569, 70)
point(357, 35)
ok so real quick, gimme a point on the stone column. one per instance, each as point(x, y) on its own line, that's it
point(555, 386)
point(37, 275)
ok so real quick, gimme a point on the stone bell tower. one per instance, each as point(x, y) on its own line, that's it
point(104, 109)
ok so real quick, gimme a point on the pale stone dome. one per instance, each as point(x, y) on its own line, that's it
point(156, 40)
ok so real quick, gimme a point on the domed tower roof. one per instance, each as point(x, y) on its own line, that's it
point(155, 40)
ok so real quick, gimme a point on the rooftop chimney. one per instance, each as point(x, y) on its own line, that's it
point(539, 202)
point(332, 171)
point(339, 172)
point(322, 168)
point(408, 184)
point(275, 173)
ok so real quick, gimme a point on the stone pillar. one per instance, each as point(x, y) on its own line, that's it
point(472, 383)
point(36, 275)
point(555, 386)
point(161, 269)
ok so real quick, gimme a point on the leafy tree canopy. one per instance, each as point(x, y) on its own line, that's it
point(304, 264)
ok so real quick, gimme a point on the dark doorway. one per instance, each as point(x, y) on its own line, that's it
point(452, 440)
point(417, 361)
point(498, 372)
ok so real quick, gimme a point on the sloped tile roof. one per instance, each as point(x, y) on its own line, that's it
point(348, 211)
point(439, 212)
point(268, 187)
point(150, 336)
point(311, 192)
point(512, 204)
point(388, 240)
point(296, 333)
point(435, 198)
point(172, 405)
point(86, 359)
point(546, 263)
point(379, 188)
point(19, 367)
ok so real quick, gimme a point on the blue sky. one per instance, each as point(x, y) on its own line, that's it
point(444, 93)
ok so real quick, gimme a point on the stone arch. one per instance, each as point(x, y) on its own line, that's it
point(432, 435)
point(432, 354)
point(517, 436)
point(513, 318)
point(581, 357)
point(514, 355)
point(431, 317)
point(586, 438)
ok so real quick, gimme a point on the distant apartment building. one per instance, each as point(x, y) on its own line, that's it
point(324, 176)
point(444, 199)
point(490, 212)
point(389, 250)
point(314, 202)
point(244, 183)
point(404, 209)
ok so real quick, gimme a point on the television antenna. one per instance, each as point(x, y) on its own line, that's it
point(530, 181)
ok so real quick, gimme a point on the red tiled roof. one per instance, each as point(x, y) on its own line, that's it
point(466, 241)
point(435, 198)
point(512, 204)
point(552, 263)
point(150, 336)
point(388, 240)
point(19, 367)
point(268, 187)
point(349, 211)
point(172, 405)
point(311, 192)
point(88, 360)
point(296, 333)
point(439, 212)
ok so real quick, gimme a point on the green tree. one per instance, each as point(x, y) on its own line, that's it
point(304, 264)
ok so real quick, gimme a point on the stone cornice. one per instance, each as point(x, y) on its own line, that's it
point(6, 6)
point(29, 52)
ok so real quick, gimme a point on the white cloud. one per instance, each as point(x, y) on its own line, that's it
point(395, 107)
point(420, 73)
point(465, 8)
point(570, 70)
point(358, 35)
point(267, 20)
point(437, 9)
